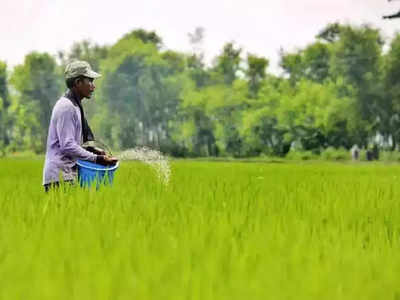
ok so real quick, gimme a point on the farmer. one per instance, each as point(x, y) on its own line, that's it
point(69, 128)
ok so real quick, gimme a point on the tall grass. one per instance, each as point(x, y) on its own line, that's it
point(217, 231)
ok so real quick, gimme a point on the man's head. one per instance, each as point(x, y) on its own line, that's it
point(79, 77)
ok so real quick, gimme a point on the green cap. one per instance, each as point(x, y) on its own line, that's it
point(80, 68)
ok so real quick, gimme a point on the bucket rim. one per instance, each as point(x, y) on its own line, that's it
point(98, 169)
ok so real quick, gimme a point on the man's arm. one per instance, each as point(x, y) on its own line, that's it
point(66, 131)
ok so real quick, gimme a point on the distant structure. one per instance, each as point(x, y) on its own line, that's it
point(394, 16)
point(355, 153)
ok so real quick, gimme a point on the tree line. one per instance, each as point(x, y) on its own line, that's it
point(340, 90)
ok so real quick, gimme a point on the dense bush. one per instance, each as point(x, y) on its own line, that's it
point(389, 156)
point(301, 155)
point(335, 154)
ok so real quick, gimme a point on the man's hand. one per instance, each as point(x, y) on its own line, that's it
point(106, 160)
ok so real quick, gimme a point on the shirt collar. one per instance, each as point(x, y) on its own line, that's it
point(72, 96)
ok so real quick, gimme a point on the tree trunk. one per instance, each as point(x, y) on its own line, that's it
point(393, 143)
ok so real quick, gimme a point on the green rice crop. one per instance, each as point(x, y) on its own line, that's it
point(217, 231)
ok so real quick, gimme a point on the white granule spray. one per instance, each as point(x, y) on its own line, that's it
point(155, 159)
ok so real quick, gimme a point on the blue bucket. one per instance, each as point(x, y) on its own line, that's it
point(89, 173)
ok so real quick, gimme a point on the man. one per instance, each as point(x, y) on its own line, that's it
point(69, 128)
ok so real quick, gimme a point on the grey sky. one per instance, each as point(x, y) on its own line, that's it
point(259, 26)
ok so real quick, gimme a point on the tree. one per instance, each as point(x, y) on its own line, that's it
point(389, 108)
point(255, 73)
point(227, 63)
point(147, 37)
point(352, 58)
point(312, 113)
point(4, 106)
point(196, 40)
point(214, 114)
point(225, 107)
point(139, 90)
point(357, 59)
point(330, 33)
point(37, 83)
point(195, 61)
point(259, 125)
point(311, 63)
point(176, 62)
point(84, 50)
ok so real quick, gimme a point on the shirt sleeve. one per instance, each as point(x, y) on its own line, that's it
point(66, 131)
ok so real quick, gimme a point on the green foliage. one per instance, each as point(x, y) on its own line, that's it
point(197, 71)
point(216, 111)
point(311, 63)
point(227, 64)
point(37, 83)
point(5, 119)
point(255, 73)
point(330, 33)
point(259, 128)
point(311, 112)
point(389, 110)
point(339, 90)
point(389, 156)
point(4, 92)
point(352, 58)
point(357, 59)
point(84, 50)
point(145, 36)
point(140, 90)
point(340, 154)
point(298, 155)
